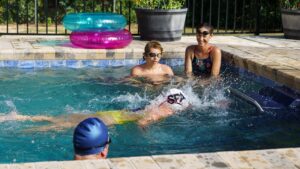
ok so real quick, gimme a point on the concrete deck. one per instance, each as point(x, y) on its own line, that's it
point(273, 57)
point(261, 159)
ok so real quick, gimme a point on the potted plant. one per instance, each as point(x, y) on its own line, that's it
point(161, 20)
point(290, 14)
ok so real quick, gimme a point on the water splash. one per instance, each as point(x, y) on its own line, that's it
point(13, 111)
point(71, 110)
point(11, 115)
point(11, 105)
point(134, 100)
point(212, 95)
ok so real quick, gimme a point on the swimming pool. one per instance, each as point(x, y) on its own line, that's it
point(207, 127)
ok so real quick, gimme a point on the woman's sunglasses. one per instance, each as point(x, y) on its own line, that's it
point(204, 33)
point(154, 55)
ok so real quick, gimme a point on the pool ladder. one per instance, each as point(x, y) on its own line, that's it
point(247, 99)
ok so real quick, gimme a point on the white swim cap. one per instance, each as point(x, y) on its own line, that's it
point(177, 99)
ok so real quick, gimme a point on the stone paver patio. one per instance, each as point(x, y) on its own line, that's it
point(272, 57)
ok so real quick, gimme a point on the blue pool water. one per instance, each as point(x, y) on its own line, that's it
point(207, 127)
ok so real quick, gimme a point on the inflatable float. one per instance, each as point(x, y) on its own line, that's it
point(101, 40)
point(94, 22)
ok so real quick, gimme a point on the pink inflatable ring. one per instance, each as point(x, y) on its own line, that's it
point(101, 40)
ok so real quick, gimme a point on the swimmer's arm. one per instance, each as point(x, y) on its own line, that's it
point(151, 118)
point(19, 117)
point(146, 120)
point(41, 118)
point(155, 114)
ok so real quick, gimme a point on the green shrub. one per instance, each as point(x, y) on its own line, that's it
point(290, 4)
point(159, 4)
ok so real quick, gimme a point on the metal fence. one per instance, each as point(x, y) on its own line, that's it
point(44, 17)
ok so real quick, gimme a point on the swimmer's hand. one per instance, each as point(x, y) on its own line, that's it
point(13, 116)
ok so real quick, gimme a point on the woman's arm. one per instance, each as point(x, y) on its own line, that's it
point(216, 61)
point(188, 61)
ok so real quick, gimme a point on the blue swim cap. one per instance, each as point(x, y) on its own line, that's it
point(90, 136)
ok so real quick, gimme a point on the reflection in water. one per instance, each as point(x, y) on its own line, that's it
point(61, 42)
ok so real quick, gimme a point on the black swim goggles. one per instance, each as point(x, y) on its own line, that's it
point(91, 148)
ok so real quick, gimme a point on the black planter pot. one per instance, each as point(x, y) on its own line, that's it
point(291, 23)
point(160, 24)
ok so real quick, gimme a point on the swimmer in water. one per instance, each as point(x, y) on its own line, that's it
point(166, 104)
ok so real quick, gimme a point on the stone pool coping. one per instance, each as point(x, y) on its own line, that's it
point(272, 158)
point(272, 57)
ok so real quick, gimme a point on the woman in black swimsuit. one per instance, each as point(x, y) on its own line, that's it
point(203, 59)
